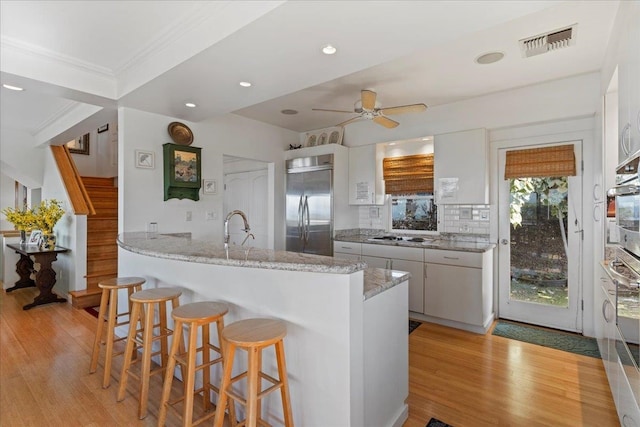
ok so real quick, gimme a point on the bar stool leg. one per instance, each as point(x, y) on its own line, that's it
point(113, 315)
point(284, 390)
point(229, 352)
point(206, 371)
point(128, 352)
point(96, 344)
point(168, 379)
point(146, 360)
point(189, 380)
point(252, 387)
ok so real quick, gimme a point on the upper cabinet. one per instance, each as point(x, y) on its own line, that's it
point(366, 186)
point(629, 85)
point(461, 167)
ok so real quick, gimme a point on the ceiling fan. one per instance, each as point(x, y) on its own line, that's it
point(367, 109)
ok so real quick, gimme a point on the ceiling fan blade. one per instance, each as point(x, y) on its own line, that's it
point(368, 99)
point(385, 121)
point(354, 119)
point(401, 109)
point(332, 111)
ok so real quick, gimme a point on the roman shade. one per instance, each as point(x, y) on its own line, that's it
point(408, 174)
point(540, 162)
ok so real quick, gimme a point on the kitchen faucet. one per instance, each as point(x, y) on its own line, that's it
point(246, 228)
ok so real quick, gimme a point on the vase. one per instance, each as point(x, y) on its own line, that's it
point(23, 237)
point(48, 241)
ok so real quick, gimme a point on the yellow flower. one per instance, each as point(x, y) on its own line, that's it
point(48, 214)
point(23, 220)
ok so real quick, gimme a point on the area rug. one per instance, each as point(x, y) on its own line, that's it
point(433, 422)
point(92, 311)
point(413, 325)
point(559, 340)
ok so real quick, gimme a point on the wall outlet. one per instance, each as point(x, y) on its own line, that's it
point(189, 215)
point(210, 215)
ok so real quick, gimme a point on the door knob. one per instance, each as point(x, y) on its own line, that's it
point(504, 241)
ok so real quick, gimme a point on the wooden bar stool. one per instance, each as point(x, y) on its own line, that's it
point(195, 315)
point(110, 288)
point(147, 300)
point(253, 335)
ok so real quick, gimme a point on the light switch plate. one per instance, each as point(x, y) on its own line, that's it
point(189, 216)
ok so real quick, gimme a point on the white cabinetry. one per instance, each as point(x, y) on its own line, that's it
point(623, 376)
point(458, 289)
point(347, 250)
point(403, 259)
point(366, 186)
point(461, 167)
point(629, 84)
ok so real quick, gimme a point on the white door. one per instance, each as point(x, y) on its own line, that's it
point(247, 191)
point(539, 279)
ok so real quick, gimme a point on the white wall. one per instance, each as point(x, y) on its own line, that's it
point(70, 267)
point(141, 190)
point(102, 160)
point(7, 198)
point(20, 158)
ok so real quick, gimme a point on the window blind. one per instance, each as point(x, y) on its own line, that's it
point(540, 162)
point(408, 174)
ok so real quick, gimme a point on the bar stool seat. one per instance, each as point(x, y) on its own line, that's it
point(147, 300)
point(194, 316)
point(254, 335)
point(110, 288)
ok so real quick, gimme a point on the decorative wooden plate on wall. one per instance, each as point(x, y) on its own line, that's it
point(180, 133)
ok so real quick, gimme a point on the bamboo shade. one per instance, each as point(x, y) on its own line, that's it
point(540, 162)
point(408, 174)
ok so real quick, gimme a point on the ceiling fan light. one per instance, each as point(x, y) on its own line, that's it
point(329, 50)
point(190, 105)
point(489, 58)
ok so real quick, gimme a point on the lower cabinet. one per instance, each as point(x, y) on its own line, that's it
point(622, 374)
point(403, 259)
point(347, 250)
point(458, 288)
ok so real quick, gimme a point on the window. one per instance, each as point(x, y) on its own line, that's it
point(415, 212)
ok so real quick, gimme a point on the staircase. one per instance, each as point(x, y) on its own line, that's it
point(102, 231)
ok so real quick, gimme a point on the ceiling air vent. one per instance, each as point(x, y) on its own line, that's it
point(553, 40)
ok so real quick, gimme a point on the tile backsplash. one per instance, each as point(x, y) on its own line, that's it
point(467, 219)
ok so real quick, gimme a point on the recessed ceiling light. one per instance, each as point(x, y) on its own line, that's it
point(289, 112)
point(190, 105)
point(392, 143)
point(245, 84)
point(489, 58)
point(329, 50)
point(12, 87)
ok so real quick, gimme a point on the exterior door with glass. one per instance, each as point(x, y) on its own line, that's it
point(540, 235)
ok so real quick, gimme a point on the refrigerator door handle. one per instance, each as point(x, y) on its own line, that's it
point(306, 208)
point(300, 218)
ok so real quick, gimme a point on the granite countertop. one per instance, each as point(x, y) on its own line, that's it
point(428, 243)
point(378, 280)
point(181, 247)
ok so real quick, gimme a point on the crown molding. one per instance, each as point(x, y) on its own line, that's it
point(41, 53)
point(56, 116)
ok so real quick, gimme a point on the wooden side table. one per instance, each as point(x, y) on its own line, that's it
point(45, 276)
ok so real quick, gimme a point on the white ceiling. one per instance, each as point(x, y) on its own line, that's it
point(155, 56)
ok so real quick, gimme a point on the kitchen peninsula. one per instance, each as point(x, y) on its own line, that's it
point(346, 345)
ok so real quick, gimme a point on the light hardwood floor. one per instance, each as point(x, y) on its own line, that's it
point(461, 378)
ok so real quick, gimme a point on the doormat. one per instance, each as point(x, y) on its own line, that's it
point(92, 311)
point(413, 325)
point(433, 422)
point(565, 341)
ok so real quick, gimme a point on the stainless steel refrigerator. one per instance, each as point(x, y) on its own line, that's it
point(309, 205)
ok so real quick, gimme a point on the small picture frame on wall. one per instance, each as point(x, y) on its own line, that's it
point(145, 159)
point(79, 145)
point(103, 128)
point(209, 186)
